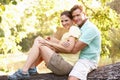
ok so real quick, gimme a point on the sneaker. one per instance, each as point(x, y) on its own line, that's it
point(33, 71)
point(18, 75)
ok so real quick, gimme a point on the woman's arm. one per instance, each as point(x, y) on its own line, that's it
point(52, 39)
point(60, 48)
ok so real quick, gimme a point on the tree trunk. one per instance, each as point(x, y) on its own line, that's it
point(115, 4)
point(108, 72)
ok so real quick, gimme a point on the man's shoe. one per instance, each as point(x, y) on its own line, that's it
point(33, 71)
point(18, 75)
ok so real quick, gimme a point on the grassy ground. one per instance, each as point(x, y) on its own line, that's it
point(10, 63)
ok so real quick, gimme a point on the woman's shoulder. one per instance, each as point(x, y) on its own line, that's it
point(75, 31)
point(74, 27)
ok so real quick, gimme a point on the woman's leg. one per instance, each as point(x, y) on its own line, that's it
point(37, 54)
point(37, 62)
point(34, 54)
point(46, 53)
point(32, 60)
point(54, 61)
point(23, 73)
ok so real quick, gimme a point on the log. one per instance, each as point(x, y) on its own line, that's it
point(108, 72)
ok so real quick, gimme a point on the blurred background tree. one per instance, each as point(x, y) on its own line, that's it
point(22, 20)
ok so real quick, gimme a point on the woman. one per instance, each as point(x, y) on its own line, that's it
point(49, 49)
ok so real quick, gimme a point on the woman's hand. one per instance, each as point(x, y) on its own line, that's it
point(38, 41)
point(48, 38)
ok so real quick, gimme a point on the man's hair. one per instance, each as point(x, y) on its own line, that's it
point(76, 7)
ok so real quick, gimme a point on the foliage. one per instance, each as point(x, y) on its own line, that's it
point(43, 21)
point(9, 26)
point(19, 26)
point(8, 1)
point(32, 19)
point(115, 44)
point(5, 1)
point(105, 19)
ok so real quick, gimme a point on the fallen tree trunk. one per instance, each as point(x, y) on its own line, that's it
point(108, 72)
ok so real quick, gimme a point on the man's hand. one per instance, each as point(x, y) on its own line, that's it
point(65, 44)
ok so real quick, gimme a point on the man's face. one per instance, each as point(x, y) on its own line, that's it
point(78, 17)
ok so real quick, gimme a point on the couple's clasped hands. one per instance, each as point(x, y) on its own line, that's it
point(39, 41)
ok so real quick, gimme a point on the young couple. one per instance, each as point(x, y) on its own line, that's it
point(84, 38)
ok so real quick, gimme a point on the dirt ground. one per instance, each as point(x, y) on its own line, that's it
point(12, 62)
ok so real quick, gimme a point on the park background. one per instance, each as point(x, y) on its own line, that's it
point(23, 20)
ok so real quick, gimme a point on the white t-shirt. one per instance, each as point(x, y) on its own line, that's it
point(69, 57)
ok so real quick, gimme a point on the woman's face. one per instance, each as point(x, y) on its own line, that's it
point(66, 21)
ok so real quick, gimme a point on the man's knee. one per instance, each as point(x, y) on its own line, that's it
point(72, 78)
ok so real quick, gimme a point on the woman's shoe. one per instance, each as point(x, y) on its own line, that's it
point(33, 71)
point(18, 75)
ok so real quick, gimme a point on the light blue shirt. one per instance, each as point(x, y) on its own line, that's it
point(91, 36)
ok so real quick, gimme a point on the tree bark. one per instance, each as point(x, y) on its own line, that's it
point(115, 4)
point(108, 72)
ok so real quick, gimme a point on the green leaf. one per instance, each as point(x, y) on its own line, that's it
point(0, 19)
point(14, 2)
point(2, 7)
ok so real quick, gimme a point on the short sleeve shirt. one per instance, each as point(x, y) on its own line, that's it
point(74, 31)
point(91, 36)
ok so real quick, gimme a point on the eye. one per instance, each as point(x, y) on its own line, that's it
point(73, 16)
point(61, 20)
point(66, 20)
point(78, 15)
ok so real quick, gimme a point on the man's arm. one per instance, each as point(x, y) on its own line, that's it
point(79, 45)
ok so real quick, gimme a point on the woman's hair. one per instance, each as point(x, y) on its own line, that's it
point(76, 7)
point(66, 13)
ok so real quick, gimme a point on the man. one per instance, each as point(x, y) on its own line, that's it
point(89, 43)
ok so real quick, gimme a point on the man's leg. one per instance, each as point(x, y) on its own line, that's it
point(81, 69)
point(72, 78)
